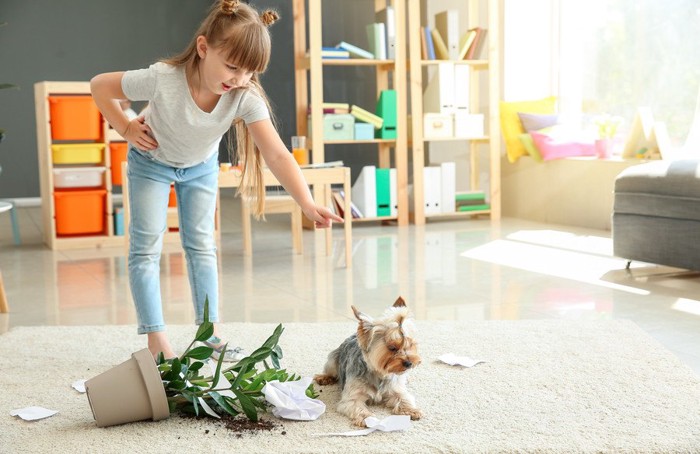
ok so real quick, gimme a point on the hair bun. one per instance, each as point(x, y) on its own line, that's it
point(269, 17)
point(229, 6)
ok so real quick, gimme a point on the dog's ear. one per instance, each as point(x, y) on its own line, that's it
point(365, 320)
point(400, 302)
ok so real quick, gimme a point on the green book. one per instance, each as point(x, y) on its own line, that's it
point(481, 207)
point(472, 195)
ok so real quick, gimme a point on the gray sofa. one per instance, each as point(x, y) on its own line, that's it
point(656, 213)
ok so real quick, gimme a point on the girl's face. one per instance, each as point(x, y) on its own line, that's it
point(219, 75)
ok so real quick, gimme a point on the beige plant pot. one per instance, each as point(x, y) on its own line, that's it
point(131, 391)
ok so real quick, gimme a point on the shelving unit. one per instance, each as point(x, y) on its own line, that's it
point(490, 65)
point(45, 139)
point(309, 70)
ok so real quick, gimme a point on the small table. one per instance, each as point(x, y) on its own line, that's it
point(321, 179)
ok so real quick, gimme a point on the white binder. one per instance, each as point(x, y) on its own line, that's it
point(438, 96)
point(448, 173)
point(364, 191)
point(447, 23)
point(387, 16)
point(393, 197)
point(461, 90)
point(431, 190)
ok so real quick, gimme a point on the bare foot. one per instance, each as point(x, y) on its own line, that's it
point(158, 342)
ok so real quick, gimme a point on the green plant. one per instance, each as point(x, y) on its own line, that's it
point(188, 387)
point(607, 125)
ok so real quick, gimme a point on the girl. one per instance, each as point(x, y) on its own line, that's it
point(193, 98)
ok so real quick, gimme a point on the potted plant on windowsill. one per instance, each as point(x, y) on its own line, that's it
point(607, 128)
point(141, 388)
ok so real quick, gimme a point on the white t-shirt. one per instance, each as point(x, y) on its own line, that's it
point(187, 135)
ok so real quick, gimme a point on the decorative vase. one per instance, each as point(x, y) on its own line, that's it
point(603, 148)
point(131, 391)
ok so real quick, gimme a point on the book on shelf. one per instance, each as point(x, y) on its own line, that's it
point(423, 46)
point(465, 43)
point(376, 35)
point(440, 48)
point(470, 199)
point(334, 52)
point(388, 18)
point(355, 51)
point(368, 117)
point(477, 45)
point(354, 211)
point(335, 105)
point(480, 207)
point(447, 24)
point(429, 43)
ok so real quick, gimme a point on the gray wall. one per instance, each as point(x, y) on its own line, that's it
point(72, 40)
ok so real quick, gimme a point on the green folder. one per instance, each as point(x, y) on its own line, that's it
point(386, 108)
point(383, 192)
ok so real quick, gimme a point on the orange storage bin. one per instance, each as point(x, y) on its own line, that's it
point(74, 118)
point(80, 212)
point(117, 155)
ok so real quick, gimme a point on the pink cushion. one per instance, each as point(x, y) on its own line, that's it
point(558, 146)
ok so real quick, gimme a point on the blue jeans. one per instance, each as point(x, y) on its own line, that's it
point(149, 188)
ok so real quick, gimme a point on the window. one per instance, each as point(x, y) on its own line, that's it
point(617, 55)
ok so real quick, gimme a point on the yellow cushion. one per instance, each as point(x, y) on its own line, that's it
point(511, 127)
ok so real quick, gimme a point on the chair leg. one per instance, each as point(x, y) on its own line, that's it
point(15, 226)
point(246, 229)
point(297, 231)
point(4, 307)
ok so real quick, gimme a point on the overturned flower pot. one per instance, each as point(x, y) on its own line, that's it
point(131, 391)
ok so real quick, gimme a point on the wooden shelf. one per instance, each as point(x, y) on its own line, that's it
point(375, 219)
point(470, 17)
point(476, 64)
point(309, 85)
point(383, 64)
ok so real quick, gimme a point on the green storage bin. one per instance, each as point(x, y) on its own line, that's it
point(337, 127)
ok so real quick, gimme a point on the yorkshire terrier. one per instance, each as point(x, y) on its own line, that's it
point(372, 365)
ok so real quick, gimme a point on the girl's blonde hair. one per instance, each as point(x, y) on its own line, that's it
point(242, 32)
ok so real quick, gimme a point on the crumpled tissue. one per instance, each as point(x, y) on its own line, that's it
point(33, 413)
point(290, 400)
point(389, 424)
point(453, 360)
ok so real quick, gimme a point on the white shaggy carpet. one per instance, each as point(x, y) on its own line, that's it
point(547, 386)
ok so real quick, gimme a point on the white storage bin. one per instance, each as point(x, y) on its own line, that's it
point(437, 126)
point(469, 125)
point(78, 177)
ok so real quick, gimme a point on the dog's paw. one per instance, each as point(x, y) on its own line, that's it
point(414, 413)
point(360, 420)
point(325, 379)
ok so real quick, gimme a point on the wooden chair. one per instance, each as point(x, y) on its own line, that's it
point(273, 204)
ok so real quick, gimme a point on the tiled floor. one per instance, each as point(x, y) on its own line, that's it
point(446, 270)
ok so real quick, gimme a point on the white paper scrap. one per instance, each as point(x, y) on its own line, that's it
point(79, 385)
point(389, 424)
point(290, 400)
point(453, 360)
point(33, 413)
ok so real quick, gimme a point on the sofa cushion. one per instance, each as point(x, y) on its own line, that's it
point(669, 189)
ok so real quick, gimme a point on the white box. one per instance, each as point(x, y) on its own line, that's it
point(468, 125)
point(78, 177)
point(437, 126)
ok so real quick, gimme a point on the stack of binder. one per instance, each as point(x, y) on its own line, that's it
point(471, 201)
point(374, 192)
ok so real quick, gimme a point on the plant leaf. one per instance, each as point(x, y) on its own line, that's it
point(247, 405)
point(204, 332)
point(201, 352)
point(221, 401)
point(219, 363)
